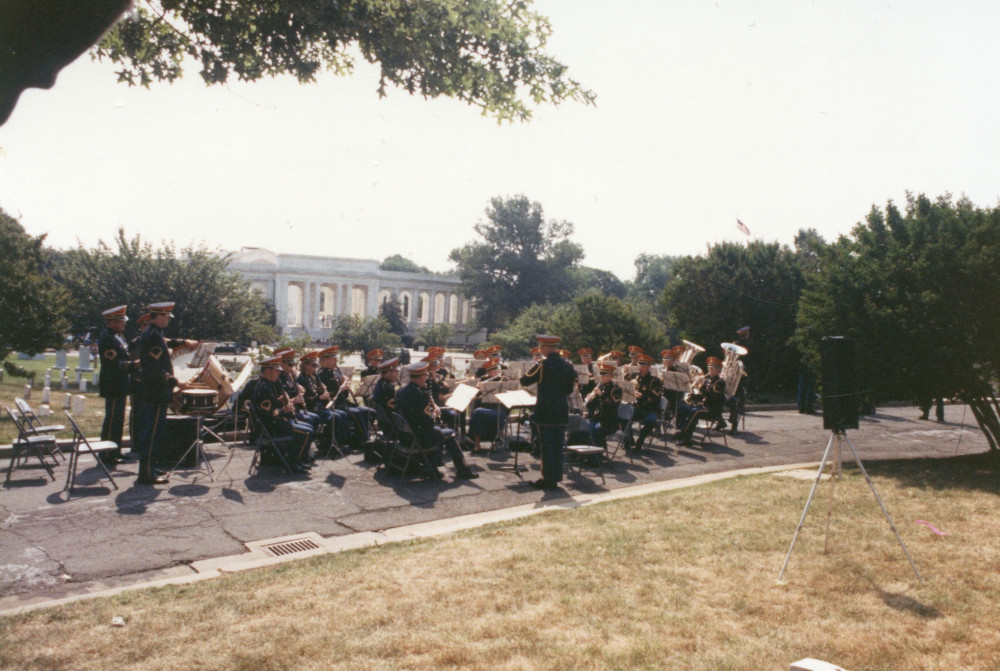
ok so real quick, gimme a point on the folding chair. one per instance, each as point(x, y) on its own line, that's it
point(262, 439)
point(708, 424)
point(40, 445)
point(81, 444)
point(408, 449)
point(585, 456)
point(33, 426)
point(624, 434)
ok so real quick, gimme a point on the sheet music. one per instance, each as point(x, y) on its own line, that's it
point(367, 383)
point(628, 391)
point(461, 397)
point(518, 398)
point(676, 381)
point(576, 400)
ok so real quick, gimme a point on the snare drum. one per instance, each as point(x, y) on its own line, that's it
point(214, 376)
point(198, 401)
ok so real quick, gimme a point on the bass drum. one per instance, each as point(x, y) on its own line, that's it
point(214, 376)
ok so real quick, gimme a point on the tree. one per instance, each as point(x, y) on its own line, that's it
point(602, 323)
point(363, 334)
point(439, 335)
point(917, 292)
point(393, 315)
point(595, 280)
point(652, 273)
point(32, 305)
point(488, 53)
point(733, 285)
point(521, 260)
point(401, 264)
point(213, 302)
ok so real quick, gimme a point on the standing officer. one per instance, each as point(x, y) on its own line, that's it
point(157, 390)
point(113, 382)
point(555, 378)
point(135, 385)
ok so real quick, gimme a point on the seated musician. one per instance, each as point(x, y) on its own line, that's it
point(493, 356)
point(669, 363)
point(648, 389)
point(439, 390)
point(414, 403)
point(587, 359)
point(374, 359)
point(291, 388)
point(316, 399)
point(384, 394)
point(478, 363)
point(346, 427)
point(488, 417)
point(602, 408)
point(277, 413)
point(707, 401)
point(536, 354)
point(634, 352)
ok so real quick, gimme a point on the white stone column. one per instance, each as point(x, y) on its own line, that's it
point(280, 301)
point(345, 299)
point(373, 291)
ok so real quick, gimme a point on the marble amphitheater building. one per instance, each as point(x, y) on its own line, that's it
point(310, 292)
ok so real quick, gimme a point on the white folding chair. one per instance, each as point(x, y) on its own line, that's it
point(33, 426)
point(82, 445)
point(26, 443)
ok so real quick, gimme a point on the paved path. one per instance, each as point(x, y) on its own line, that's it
point(49, 545)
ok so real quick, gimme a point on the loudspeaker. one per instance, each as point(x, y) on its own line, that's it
point(840, 383)
point(179, 432)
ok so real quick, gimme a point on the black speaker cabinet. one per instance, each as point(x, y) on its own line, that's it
point(179, 432)
point(840, 383)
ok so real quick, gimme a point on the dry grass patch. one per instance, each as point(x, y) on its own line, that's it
point(685, 579)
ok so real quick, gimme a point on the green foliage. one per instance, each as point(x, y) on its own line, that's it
point(393, 314)
point(595, 280)
point(439, 335)
point(401, 264)
point(592, 320)
point(652, 273)
point(522, 260)
point(32, 305)
point(16, 371)
point(917, 291)
point(756, 285)
point(359, 334)
point(488, 53)
point(213, 303)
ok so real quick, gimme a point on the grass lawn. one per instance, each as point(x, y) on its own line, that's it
point(680, 580)
point(13, 387)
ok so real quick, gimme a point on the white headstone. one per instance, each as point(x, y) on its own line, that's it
point(46, 393)
point(68, 402)
point(44, 410)
point(63, 382)
point(79, 404)
point(27, 392)
point(93, 378)
point(48, 377)
point(83, 384)
point(84, 357)
point(61, 359)
point(79, 374)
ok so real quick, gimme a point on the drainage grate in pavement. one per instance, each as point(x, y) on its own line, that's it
point(290, 547)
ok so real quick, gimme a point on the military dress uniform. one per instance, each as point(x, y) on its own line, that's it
point(325, 418)
point(268, 404)
point(342, 422)
point(710, 400)
point(414, 403)
point(555, 378)
point(648, 390)
point(113, 383)
point(156, 393)
point(603, 411)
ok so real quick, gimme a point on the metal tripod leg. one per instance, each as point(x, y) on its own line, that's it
point(840, 435)
point(200, 457)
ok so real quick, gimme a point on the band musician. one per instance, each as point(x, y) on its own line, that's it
point(488, 416)
point(587, 359)
point(414, 403)
point(316, 396)
point(602, 404)
point(276, 411)
point(648, 390)
point(114, 380)
point(708, 400)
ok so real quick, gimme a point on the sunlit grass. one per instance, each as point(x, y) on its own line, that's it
point(680, 580)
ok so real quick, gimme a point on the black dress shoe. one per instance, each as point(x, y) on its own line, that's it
point(155, 480)
point(298, 467)
point(466, 475)
point(129, 456)
point(544, 484)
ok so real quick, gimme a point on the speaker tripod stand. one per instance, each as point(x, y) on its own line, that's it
point(838, 437)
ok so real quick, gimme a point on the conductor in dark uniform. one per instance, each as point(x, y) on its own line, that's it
point(555, 378)
point(113, 383)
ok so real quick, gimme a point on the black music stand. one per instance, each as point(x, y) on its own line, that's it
point(512, 400)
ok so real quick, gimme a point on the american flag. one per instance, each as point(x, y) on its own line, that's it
point(742, 228)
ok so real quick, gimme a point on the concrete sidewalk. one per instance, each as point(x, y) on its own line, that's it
point(53, 549)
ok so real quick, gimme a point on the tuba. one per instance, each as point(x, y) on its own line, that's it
point(690, 352)
point(732, 367)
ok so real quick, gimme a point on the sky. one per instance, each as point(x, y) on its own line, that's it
point(782, 114)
